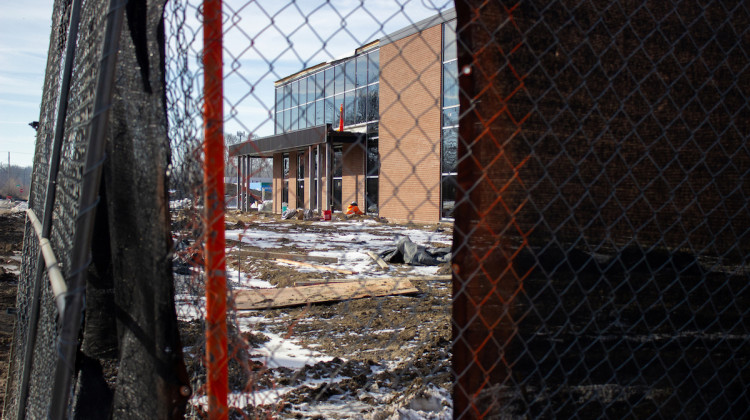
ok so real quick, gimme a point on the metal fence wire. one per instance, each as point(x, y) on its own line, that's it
point(508, 209)
point(43, 344)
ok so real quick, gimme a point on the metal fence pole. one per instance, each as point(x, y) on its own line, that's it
point(216, 287)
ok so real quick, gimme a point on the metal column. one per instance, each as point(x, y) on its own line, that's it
point(329, 181)
point(319, 189)
point(248, 175)
point(239, 183)
point(311, 176)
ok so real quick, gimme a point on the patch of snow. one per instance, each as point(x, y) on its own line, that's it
point(189, 308)
point(431, 404)
point(21, 206)
point(280, 352)
point(240, 400)
point(13, 269)
point(424, 270)
point(247, 282)
point(334, 408)
point(179, 204)
point(249, 323)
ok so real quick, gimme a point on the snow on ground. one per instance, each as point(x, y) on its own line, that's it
point(15, 266)
point(280, 352)
point(245, 281)
point(348, 242)
point(375, 236)
point(11, 206)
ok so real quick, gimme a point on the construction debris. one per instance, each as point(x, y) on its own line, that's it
point(378, 260)
point(319, 267)
point(409, 279)
point(303, 295)
point(287, 256)
point(407, 252)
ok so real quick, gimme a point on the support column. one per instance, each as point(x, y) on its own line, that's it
point(329, 181)
point(318, 171)
point(239, 183)
point(245, 177)
point(246, 181)
point(311, 176)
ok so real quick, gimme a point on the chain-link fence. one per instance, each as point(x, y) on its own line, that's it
point(602, 242)
point(501, 210)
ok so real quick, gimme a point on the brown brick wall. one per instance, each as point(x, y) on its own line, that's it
point(410, 87)
point(648, 150)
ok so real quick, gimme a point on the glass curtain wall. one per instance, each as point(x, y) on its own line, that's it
point(449, 138)
point(315, 99)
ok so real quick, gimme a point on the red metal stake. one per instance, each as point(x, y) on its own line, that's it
point(213, 180)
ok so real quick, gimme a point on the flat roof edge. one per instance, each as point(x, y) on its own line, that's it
point(418, 27)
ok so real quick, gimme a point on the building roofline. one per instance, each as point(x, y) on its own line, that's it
point(420, 26)
point(409, 30)
point(301, 73)
point(358, 51)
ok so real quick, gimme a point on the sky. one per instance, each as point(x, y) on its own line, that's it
point(24, 39)
point(264, 41)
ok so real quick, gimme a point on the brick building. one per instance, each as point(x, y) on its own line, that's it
point(396, 154)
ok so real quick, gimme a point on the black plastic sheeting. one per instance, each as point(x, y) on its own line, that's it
point(407, 252)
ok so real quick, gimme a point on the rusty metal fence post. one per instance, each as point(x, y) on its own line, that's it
point(216, 287)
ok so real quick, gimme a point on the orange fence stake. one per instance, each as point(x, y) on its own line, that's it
point(213, 179)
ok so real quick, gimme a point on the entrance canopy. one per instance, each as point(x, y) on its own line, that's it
point(293, 140)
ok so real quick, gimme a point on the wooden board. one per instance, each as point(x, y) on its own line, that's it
point(319, 267)
point(302, 295)
point(378, 260)
point(295, 257)
point(446, 277)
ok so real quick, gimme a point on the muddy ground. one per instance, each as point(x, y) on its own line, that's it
point(11, 242)
point(661, 335)
point(389, 353)
point(383, 353)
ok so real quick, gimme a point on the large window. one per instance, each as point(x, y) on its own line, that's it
point(449, 137)
point(316, 98)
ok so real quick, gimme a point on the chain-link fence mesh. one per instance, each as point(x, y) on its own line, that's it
point(586, 162)
point(602, 236)
point(44, 342)
point(36, 202)
point(330, 355)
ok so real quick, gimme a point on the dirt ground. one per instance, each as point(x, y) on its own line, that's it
point(387, 351)
point(11, 242)
point(383, 352)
